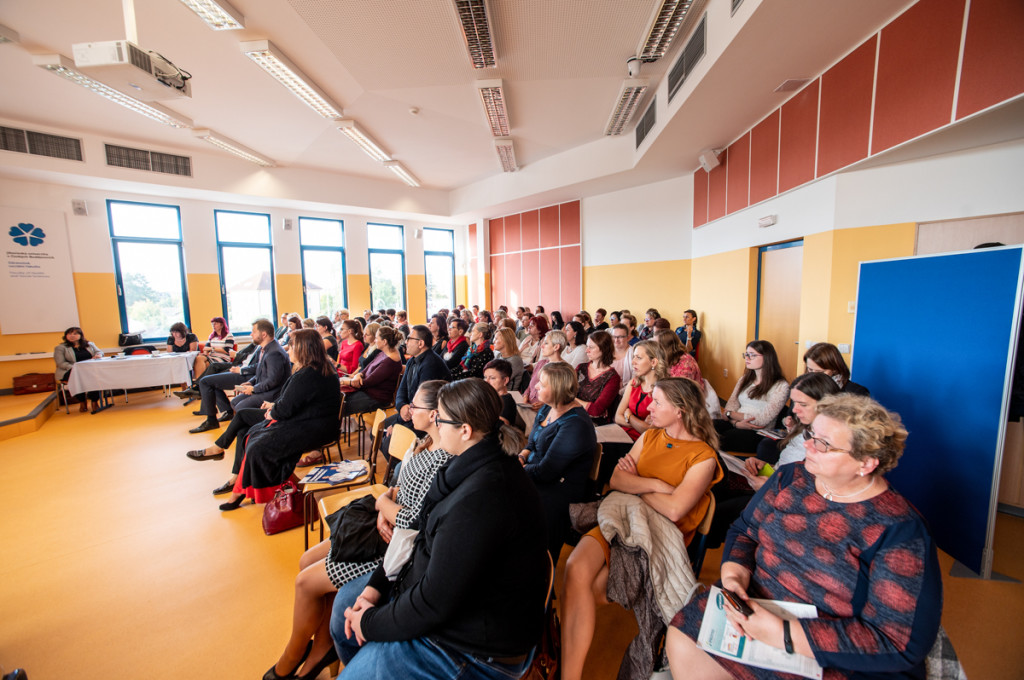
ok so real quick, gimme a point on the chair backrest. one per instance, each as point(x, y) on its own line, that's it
point(378, 420)
point(595, 467)
point(699, 545)
point(141, 349)
point(401, 439)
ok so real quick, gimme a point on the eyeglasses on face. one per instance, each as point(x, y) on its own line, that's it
point(820, 445)
point(438, 420)
point(749, 355)
point(414, 407)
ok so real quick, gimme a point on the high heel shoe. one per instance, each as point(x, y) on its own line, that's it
point(272, 673)
point(330, 657)
point(232, 505)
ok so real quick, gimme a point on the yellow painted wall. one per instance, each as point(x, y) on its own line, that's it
point(416, 298)
point(289, 294)
point(204, 303)
point(816, 285)
point(664, 285)
point(487, 290)
point(358, 293)
point(724, 293)
point(461, 289)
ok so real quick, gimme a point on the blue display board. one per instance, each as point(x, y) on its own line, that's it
point(935, 341)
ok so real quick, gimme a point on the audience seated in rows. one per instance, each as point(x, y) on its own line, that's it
point(598, 381)
point(478, 353)
point(756, 400)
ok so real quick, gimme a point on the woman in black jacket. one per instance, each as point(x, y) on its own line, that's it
point(303, 418)
point(471, 600)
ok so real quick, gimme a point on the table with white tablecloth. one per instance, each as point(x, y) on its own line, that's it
point(127, 372)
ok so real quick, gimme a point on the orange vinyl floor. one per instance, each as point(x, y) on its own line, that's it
point(116, 563)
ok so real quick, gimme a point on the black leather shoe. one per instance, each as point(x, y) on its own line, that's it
point(186, 394)
point(232, 505)
point(226, 417)
point(206, 426)
point(200, 454)
point(224, 488)
point(272, 673)
point(198, 413)
point(330, 657)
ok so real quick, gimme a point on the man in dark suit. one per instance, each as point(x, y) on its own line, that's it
point(271, 372)
point(422, 365)
point(213, 385)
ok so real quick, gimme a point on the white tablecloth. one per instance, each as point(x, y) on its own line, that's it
point(146, 370)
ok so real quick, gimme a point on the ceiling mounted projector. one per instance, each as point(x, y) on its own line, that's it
point(127, 68)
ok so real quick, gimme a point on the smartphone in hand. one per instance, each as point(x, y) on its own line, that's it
point(737, 603)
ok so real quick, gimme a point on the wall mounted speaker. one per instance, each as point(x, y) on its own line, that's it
point(708, 160)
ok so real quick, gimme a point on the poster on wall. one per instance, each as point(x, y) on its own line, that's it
point(38, 287)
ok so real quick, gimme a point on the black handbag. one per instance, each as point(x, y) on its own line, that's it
point(129, 339)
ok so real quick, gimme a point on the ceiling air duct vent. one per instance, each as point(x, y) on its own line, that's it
point(40, 144)
point(646, 122)
point(692, 54)
point(153, 161)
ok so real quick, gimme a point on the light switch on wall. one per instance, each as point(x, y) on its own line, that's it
point(844, 348)
point(851, 306)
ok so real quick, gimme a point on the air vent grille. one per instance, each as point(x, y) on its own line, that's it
point(646, 122)
point(139, 58)
point(40, 144)
point(141, 159)
point(692, 53)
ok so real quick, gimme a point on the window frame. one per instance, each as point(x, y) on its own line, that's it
point(269, 247)
point(119, 282)
point(437, 253)
point(387, 251)
point(330, 249)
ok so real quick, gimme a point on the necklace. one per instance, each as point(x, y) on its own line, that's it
point(831, 495)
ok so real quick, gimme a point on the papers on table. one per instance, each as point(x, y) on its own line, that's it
point(335, 473)
point(612, 434)
point(718, 637)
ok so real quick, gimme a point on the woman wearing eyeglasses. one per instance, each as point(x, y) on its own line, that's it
point(756, 400)
point(830, 532)
point(470, 601)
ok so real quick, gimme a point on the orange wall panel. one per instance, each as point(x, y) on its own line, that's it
point(514, 280)
point(700, 197)
point(797, 138)
point(917, 64)
point(569, 223)
point(764, 159)
point(531, 277)
point(549, 226)
point(993, 63)
point(497, 235)
point(550, 278)
point(513, 241)
point(531, 229)
point(718, 180)
point(497, 281)
point(739, 174)
point(845, 122)
point(571, 280)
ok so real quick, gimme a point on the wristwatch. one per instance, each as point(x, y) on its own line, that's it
point(627, 417)
point(728, 415)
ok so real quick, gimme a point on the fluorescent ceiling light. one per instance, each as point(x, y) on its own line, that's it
point(218, 15)
point(630, 95)
point(352, 130)
point(234, 147)
point(506, 154)
point(664, 29)
point(63, 66)
point(273, 61)
point(8, 35)
point(399, 169)
point(476, 30)
point(493, 97)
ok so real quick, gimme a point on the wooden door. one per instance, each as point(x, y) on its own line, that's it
point(778, 304)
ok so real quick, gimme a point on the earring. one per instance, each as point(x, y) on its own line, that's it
point(861, 473)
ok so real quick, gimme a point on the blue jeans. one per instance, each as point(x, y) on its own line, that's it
point(419, 659)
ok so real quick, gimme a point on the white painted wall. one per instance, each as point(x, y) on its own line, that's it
point(643, 224)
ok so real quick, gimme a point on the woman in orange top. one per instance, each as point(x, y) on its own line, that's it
point(671, 467)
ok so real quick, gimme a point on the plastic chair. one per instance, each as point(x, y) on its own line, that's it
point(699, 545)
point(325, 450)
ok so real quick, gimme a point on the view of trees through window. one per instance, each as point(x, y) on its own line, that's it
point(323, 266)
point(439, 267)
point(387, 266)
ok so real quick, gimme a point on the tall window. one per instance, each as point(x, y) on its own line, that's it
point(149, 267)
point(246, 264)
point(387, 266)
point(439, 267)
point(323, 266)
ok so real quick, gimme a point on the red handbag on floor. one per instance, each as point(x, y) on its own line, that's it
point(284, 511)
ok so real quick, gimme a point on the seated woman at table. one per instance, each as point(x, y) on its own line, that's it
point(304, 417)
point(598, 381)
point(560, 451)
point(671, 467)
point(824, 357)
point(375, 386)
point(219, 347)
point(320, 575)
point(181, 339)
point(756, 400)
point(350, 346)
point(72, 349)
point(550, 353)
point(830, 532)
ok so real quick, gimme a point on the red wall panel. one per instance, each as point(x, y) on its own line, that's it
point(531, 230)
point(514, 279)
point(572, 273)
point(700, 197)
point(917, 72)
point(497, 281)
point(718, 180)
point(739, 174)
point(845, 122)
point(531, 278)
point(764, 158)
point(549, 226)
point(569, 223)
point(797, 138)
point(497, 235)
point(513, 242)
point(993, 64)
point(550, 278)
